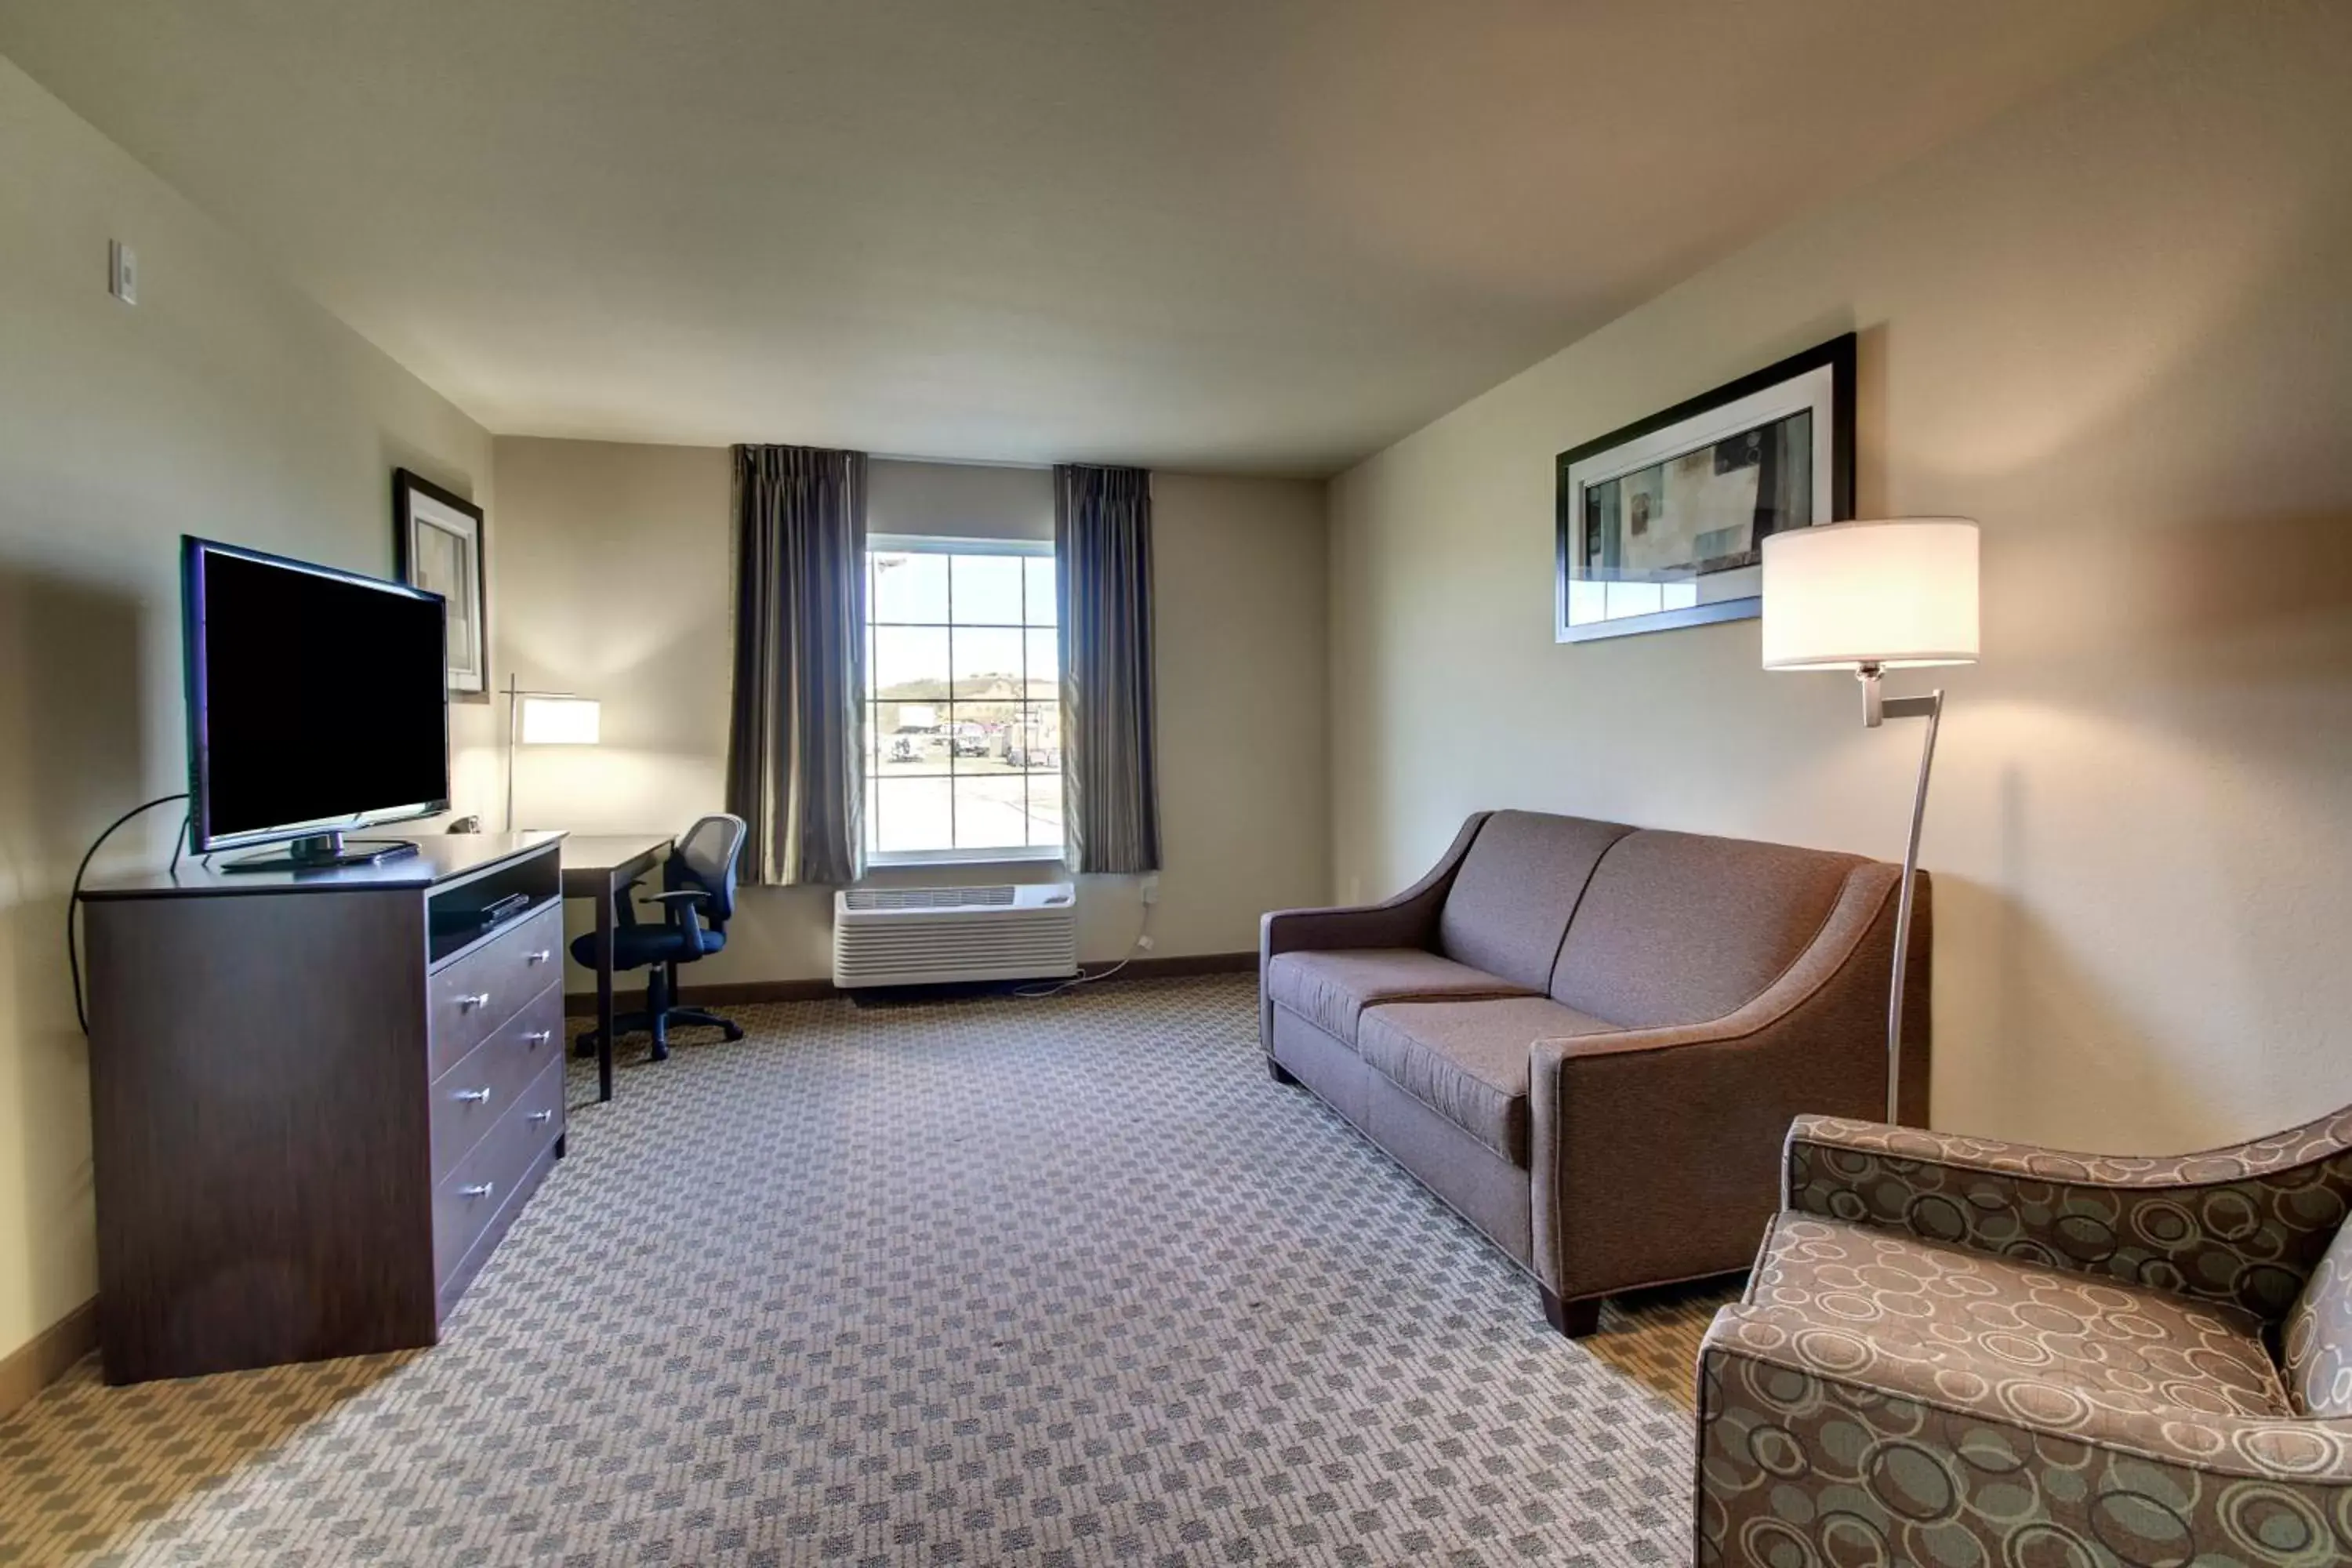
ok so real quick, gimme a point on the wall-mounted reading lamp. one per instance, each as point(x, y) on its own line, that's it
point(546, 719)
point(1870, 597)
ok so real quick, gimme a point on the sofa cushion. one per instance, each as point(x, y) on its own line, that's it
point(1468, 1060)
point(1330, 989)
point(1517, 886)
point(1677, 927)
point(1891, 1311)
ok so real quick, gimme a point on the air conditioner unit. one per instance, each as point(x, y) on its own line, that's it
point(928, 936)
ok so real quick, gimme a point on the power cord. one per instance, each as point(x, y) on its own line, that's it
point(73, 931)
point(1141, 931)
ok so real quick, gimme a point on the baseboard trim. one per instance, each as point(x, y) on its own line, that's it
point(583, 1004)
point(49, 1355)
point(1180, 965)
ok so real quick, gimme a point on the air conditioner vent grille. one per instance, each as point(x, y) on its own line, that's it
point(863, 899)
point(926, 936)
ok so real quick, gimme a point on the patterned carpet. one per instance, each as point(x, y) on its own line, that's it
point(1064, 1282)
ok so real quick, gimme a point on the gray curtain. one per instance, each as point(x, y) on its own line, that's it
point(795, 765)
point(1110, 774)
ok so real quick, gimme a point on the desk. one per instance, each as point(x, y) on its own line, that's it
point(600, 867)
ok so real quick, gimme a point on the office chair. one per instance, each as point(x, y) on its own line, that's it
point(698, 899)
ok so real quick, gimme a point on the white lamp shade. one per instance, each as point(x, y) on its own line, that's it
point(1891, 594)
point(560, 722)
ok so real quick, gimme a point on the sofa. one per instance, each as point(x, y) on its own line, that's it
point(1589, 1039)
point(1953, 1350)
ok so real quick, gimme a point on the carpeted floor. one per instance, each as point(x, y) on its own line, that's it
point(1055, 1282)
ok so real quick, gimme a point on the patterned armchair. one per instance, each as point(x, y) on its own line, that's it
point(1955, 1350)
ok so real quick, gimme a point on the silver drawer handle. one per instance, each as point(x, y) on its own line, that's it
point(538, 1036)
point(479, 1190)
point(478, 999)
point(537, 955)
point(472, 1096)
point(541, 1115)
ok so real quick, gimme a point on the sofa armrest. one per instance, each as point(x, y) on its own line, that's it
point(1407, 919)
point(1328, 931)
point(2245, 1225)
point(1654, 1152)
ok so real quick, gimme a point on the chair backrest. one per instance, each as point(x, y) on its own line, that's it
point(705, 859)
point(1517, 887)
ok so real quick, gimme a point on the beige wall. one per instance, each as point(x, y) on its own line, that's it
point(224, 403)
point(2114, 328)
point(612, 570)
point(612, 563)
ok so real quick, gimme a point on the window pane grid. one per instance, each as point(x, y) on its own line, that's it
point(964, 750)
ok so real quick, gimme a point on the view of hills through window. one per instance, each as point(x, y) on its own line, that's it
point(963, 716)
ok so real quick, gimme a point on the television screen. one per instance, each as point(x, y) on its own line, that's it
point(317, 698)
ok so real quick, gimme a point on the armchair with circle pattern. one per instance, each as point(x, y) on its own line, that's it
point(1959, 1352)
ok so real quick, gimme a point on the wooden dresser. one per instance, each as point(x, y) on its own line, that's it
point(318, 1099)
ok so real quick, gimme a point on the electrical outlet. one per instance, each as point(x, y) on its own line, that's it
point(1144, 942)
point(122, 272)
point(1150, 890)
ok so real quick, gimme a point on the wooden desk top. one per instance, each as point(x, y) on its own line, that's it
point(591, 860)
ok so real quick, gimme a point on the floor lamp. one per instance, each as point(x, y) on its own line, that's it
point(1871, 597)
point(546, 719)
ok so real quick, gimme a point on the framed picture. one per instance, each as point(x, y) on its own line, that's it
point(1662, 524)
point(437, 544)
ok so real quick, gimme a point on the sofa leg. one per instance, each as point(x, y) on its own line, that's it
point(1277, 1071)
point(1575, 1319)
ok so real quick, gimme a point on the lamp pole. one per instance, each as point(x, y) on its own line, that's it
point(514, 708)
point(1876, 709)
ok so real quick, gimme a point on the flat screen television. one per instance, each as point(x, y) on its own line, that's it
point(318, 703)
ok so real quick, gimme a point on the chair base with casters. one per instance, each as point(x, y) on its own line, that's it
point(661, 1015)
point(697, 900)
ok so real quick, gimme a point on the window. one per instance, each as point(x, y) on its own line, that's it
point(963, 699)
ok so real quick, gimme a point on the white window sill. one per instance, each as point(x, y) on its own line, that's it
point(899, 859)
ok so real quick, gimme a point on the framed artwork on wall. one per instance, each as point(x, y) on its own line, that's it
point(1662, 523)
point(437, 544)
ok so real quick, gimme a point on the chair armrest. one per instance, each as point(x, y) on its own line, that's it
point(2245, 1225)
point(1655, 1151)
point(681, 903)
point(1878, 1392)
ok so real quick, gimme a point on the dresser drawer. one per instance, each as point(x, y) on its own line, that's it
point(482, 1187)
point(470, 1098)
point(473, 996)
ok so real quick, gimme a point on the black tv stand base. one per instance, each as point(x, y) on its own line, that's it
point(324, 851)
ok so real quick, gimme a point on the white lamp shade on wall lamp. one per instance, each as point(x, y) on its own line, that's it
point(560, 722)
point(1849, 595)
point(1869, 597)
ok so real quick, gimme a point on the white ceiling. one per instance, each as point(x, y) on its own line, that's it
point(1245, 235)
